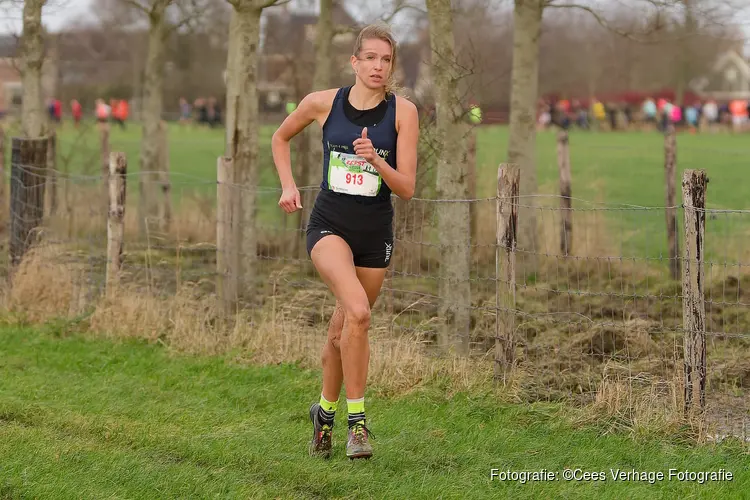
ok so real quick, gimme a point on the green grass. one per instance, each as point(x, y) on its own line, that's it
point(84, 418)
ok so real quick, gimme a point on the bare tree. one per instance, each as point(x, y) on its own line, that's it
point(164, 17)
point(242, 120)
point(32, 58)
point(321, 80)
point(527, 29)
point(452, 176)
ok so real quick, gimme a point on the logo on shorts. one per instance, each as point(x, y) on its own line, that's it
point(388, 248)
point(326, 232)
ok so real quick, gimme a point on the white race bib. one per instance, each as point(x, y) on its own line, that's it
point(352, 174)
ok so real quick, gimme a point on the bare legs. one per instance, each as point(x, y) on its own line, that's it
point(346, 354)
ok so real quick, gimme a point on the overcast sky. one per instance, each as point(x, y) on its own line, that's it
point(56, 15)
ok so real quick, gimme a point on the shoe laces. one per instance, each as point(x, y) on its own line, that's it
point(361, 432)
point(325, 434)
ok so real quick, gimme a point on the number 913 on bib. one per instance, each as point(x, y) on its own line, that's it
point(352, 174)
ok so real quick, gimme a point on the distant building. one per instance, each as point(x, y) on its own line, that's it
point(11, 89)
point(287, 58)
point(729, 78)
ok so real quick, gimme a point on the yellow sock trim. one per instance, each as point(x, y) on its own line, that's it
point(355, 405)
point(329, 406)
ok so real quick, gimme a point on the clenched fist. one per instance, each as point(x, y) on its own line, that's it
point(363, 147)
point(290, 200)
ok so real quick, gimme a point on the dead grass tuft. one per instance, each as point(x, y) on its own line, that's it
point(47, 284)
point(638, 405)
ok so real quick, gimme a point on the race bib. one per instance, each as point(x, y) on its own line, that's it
point(352, 174)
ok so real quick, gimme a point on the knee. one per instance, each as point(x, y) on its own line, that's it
point(358, 316)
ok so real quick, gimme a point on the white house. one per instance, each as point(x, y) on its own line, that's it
point(729, 78)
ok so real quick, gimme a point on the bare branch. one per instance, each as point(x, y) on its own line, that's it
point(625, 34)
point(190, 11)
point(401, 6)
point(137, 5)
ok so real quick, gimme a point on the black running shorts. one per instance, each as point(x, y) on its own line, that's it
point(366, 227)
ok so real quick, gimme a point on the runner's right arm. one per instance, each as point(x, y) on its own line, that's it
point(314, 106)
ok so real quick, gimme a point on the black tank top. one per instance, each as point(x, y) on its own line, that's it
point(345, 173)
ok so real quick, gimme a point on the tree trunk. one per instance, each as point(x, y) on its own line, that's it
point(32, 57)
point(150, 176)
point(321, 81)
point(452, 179)
point(686, 53)
point(527, 27)
point(242, 128)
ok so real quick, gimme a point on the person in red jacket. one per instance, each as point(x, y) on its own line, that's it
point(77, 111)
point(57, 106)
point(120, 112)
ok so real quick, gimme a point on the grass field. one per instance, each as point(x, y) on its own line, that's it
point(85, 418)
point(617, 168)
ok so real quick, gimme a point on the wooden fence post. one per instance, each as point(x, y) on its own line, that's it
point(104, 163)
point(670, 163)
point(2, 166)
point(566, 203)
point(471, 161)
point(104, 154)
point(28, 176)
point(118, 169)
point(164, 205)
point(694, 184)
point(508, 180)
point(51, 189)
point(227, 235)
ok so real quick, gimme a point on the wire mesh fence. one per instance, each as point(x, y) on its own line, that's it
point(596, 316)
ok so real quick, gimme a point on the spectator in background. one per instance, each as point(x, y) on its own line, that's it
point(200, 106)
point(77, 111)
point(51, 109)
point(725, 115)
point(691, 116)
point(599, 111)
point(185, 111)
point(582, 115)
point(475, 114)
point(738, 109)
point(666, 114)
point(57, 110)
point(214, 113)
point(711, 112)
point(102, 111)
point(544, 116)
point(560, 115)
point(627, 115)
point(676, 114)
point(649, 111)
point(611, 115)
point(121, 112)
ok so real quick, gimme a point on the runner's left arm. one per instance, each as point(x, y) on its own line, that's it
point(402, 181)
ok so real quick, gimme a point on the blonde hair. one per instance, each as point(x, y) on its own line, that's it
point(380, 31)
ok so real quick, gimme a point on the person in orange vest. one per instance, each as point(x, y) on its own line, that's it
point(121, 112)
point(738, 109)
